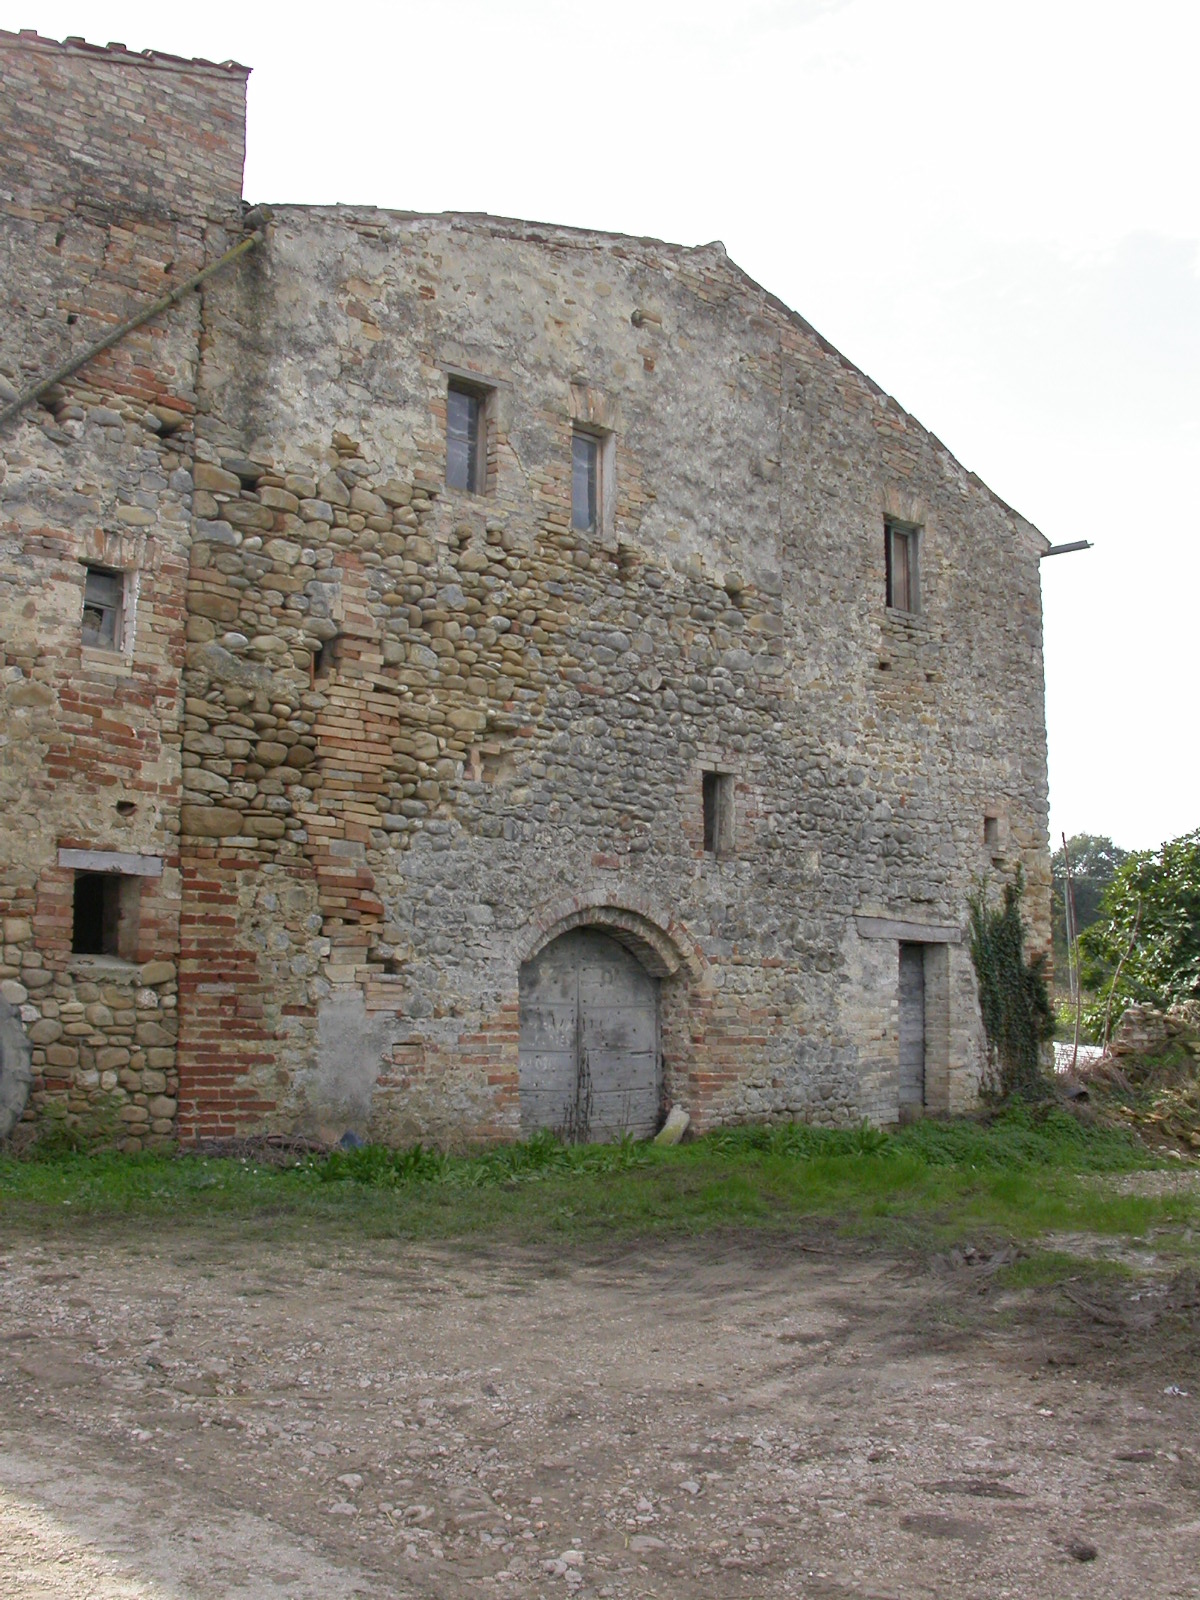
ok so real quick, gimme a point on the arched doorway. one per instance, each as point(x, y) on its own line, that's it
point(589, 1062)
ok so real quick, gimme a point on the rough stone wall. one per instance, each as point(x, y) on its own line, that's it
point(119, 176)
point(507, 735)
point(389, 738)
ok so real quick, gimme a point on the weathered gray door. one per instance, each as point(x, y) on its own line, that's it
point(589, 1040)
point(912, 1030)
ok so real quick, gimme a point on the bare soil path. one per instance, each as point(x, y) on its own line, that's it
point(202, 1415)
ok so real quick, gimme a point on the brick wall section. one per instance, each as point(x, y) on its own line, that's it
point(119, 177)
point(227, 1024)
point(114, 168)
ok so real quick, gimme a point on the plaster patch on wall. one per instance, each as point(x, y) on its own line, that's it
point(351, 1046)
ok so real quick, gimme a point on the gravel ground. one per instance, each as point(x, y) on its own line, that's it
point(198, 1414)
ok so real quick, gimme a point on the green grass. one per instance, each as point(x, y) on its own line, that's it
point(1042, 1269)
point(1018, 1176)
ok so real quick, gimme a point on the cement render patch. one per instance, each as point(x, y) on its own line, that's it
point(15, 1075)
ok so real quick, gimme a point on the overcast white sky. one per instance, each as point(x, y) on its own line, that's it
point(994, 210)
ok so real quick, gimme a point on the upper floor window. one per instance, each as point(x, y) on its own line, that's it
point(716, 793)
point(585, 481)
point(103, 625)
point(466, 437)
point(901, 548)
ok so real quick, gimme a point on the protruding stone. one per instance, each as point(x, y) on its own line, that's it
point(216, 606)
point(246, 472)
point(364, 501)
point(31, 696)
point(674, 1128)
point(331, 488)
point(215, 479)
point(209, 822)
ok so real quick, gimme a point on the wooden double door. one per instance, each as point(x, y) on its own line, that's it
point(589, 1054)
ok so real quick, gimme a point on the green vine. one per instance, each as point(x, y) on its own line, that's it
point(1018, 1017)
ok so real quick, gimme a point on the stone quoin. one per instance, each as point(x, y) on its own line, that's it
point(463, 675)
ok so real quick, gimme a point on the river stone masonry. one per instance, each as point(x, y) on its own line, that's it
point(402, 736)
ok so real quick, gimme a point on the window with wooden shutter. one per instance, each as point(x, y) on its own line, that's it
point(901, 550)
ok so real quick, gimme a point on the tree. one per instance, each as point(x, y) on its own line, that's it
point(1156, 892)
point(1094, 861)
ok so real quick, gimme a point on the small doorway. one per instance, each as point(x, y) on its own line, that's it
point(912, 1031)
point(589, 1048)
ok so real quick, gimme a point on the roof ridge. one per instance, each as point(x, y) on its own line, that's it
point(525, 228)
point(30, 38)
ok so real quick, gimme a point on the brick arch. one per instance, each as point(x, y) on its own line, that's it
point(659, 941)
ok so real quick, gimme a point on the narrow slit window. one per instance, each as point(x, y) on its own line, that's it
point(991, 832)
point(585, 482)
point(466, 444)
point(326, 657)
point(103, 609)
point(717, 799)
point(900, 545)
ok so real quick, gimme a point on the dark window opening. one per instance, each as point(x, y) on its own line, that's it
point(103, 604)
point(991, 832)
point(717, 796)
point(105, 919)
point(466, 442)
point(585, 482)
point(325, 657)
point(912, 1096)
point(900, 547)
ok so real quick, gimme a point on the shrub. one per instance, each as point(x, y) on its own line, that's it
point(1149, 928)
point(1018, 1017)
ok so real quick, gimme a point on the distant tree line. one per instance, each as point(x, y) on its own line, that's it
point(1094, 862)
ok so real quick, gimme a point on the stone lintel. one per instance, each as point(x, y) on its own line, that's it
point(909, 932)
point(125, 861)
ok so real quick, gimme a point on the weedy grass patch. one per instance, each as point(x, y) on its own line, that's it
point(1018, 1175)
point(1042, 1269)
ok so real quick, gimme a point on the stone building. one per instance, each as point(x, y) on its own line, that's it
point(464, 675)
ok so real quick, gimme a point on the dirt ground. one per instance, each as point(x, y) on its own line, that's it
point(198, 1414)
